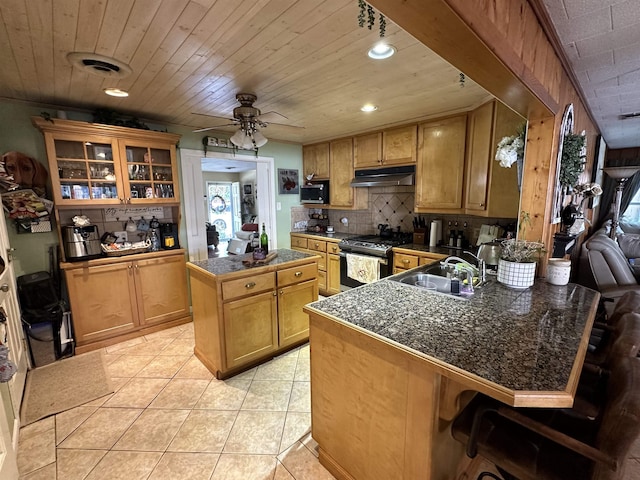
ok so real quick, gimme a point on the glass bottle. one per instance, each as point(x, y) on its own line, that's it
point(264, 240)
point(155, 240)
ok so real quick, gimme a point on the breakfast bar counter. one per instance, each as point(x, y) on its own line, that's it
point(392, 365)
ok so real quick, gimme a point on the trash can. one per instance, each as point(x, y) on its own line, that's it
point(42, 318)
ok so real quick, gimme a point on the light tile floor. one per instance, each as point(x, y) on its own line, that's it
point(169, 418)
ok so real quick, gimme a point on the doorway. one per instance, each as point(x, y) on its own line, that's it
point(194, 192)
point(223, 208)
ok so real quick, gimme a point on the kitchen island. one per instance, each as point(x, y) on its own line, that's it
point(244, 315)
point(392, 365)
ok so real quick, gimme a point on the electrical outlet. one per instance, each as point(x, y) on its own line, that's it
point(121, 237)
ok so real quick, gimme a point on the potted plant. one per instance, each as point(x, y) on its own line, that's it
point(573, 159)
point(518, 259)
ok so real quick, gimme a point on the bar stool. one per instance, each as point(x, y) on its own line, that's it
point(526, 449)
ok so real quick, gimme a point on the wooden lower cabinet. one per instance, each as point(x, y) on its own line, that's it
point(333, 273)
point(251, 328)
point(329, 263)
point(293, 323)
point(112, 301)
point(406, 259)
point(243, 318)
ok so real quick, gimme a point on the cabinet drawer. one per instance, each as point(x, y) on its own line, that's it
point(302, 273)
point(400, 260)
point(299, 242)
point(430, 258)
point(317, 245)
point(333, 248)
point(248, 286)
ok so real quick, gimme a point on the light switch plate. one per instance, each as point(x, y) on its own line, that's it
point(121, 237)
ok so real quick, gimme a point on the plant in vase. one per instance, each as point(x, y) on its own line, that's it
point(518, 259)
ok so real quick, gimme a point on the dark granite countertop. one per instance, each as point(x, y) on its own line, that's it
point(442, 249)
point(523, 340)
point(233, 263)
point(334, 235)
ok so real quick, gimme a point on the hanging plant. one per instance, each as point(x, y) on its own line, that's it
point(367, 12)
point(573, 161)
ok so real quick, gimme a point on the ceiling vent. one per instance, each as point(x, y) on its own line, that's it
point(625, 116)
point(100, 65)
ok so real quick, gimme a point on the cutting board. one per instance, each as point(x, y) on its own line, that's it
point(249, 261)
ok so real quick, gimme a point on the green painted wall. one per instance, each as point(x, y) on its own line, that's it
point(17, 133)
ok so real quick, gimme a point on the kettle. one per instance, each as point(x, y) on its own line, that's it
point(490, 253)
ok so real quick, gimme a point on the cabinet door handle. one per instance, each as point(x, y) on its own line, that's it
point(405, 260)
point(281, 292)
point(250, 285)
point(317, 245)
point(335, 249)
point(136, 266)
point(130, 267)
point(298, 274)
point(4, 287)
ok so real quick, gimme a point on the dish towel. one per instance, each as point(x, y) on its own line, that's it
point(363, 269)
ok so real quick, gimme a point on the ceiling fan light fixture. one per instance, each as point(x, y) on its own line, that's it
point(259, 139)
point(381, 50)
point(238, 138)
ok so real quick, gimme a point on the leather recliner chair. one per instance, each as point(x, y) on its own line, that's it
point(609, 267)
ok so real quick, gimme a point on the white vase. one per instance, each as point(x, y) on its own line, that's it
point(515, 274)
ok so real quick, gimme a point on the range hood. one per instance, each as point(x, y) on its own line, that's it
point(385, 177)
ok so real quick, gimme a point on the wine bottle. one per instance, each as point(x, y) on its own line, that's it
point(264, 240)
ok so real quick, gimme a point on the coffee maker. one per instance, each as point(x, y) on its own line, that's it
point(169, 236)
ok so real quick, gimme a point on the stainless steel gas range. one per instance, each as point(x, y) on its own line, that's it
point(376, 248)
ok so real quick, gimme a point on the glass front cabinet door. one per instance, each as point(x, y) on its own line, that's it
point(85, 171)
point(92, 164)
point(149, 175)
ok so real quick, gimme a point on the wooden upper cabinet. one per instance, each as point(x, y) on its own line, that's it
point(479, 151)
point(341, 166)
point(492, 190)
point(93, 164)
point(315, 160)
point(367, 150)
point(399, 145)
point(441, 162)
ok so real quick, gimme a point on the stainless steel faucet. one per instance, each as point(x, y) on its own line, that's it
point(482, 267)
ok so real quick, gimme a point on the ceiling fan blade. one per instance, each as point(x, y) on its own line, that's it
point(270, 117)
point(284, 125)
point(213, 128)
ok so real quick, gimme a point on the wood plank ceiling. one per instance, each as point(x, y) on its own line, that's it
point(305, 59)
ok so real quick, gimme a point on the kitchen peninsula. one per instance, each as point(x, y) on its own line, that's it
point(243, 315)
point(392, 364)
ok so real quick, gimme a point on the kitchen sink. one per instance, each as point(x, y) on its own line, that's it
point(428, 281)
point(433, 277)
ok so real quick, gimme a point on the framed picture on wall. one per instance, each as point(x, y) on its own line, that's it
point(288, 181)
point(598, 164)
point(247, 189)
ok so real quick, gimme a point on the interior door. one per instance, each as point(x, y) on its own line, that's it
point(12, 334)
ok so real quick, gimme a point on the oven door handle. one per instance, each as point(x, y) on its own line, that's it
point(383, 261)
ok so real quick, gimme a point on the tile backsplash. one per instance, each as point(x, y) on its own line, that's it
point(392, 206)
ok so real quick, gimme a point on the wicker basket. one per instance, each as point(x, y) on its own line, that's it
point(125, 250)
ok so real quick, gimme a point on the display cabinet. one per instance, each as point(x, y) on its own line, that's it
point(99, 165)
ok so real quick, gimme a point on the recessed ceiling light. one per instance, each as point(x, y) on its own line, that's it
point(116, 92)
point(381, 51)
point(368, 108)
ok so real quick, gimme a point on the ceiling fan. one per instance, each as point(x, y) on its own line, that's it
point(248, 118)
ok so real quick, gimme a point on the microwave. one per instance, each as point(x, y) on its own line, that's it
point(316, 192)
